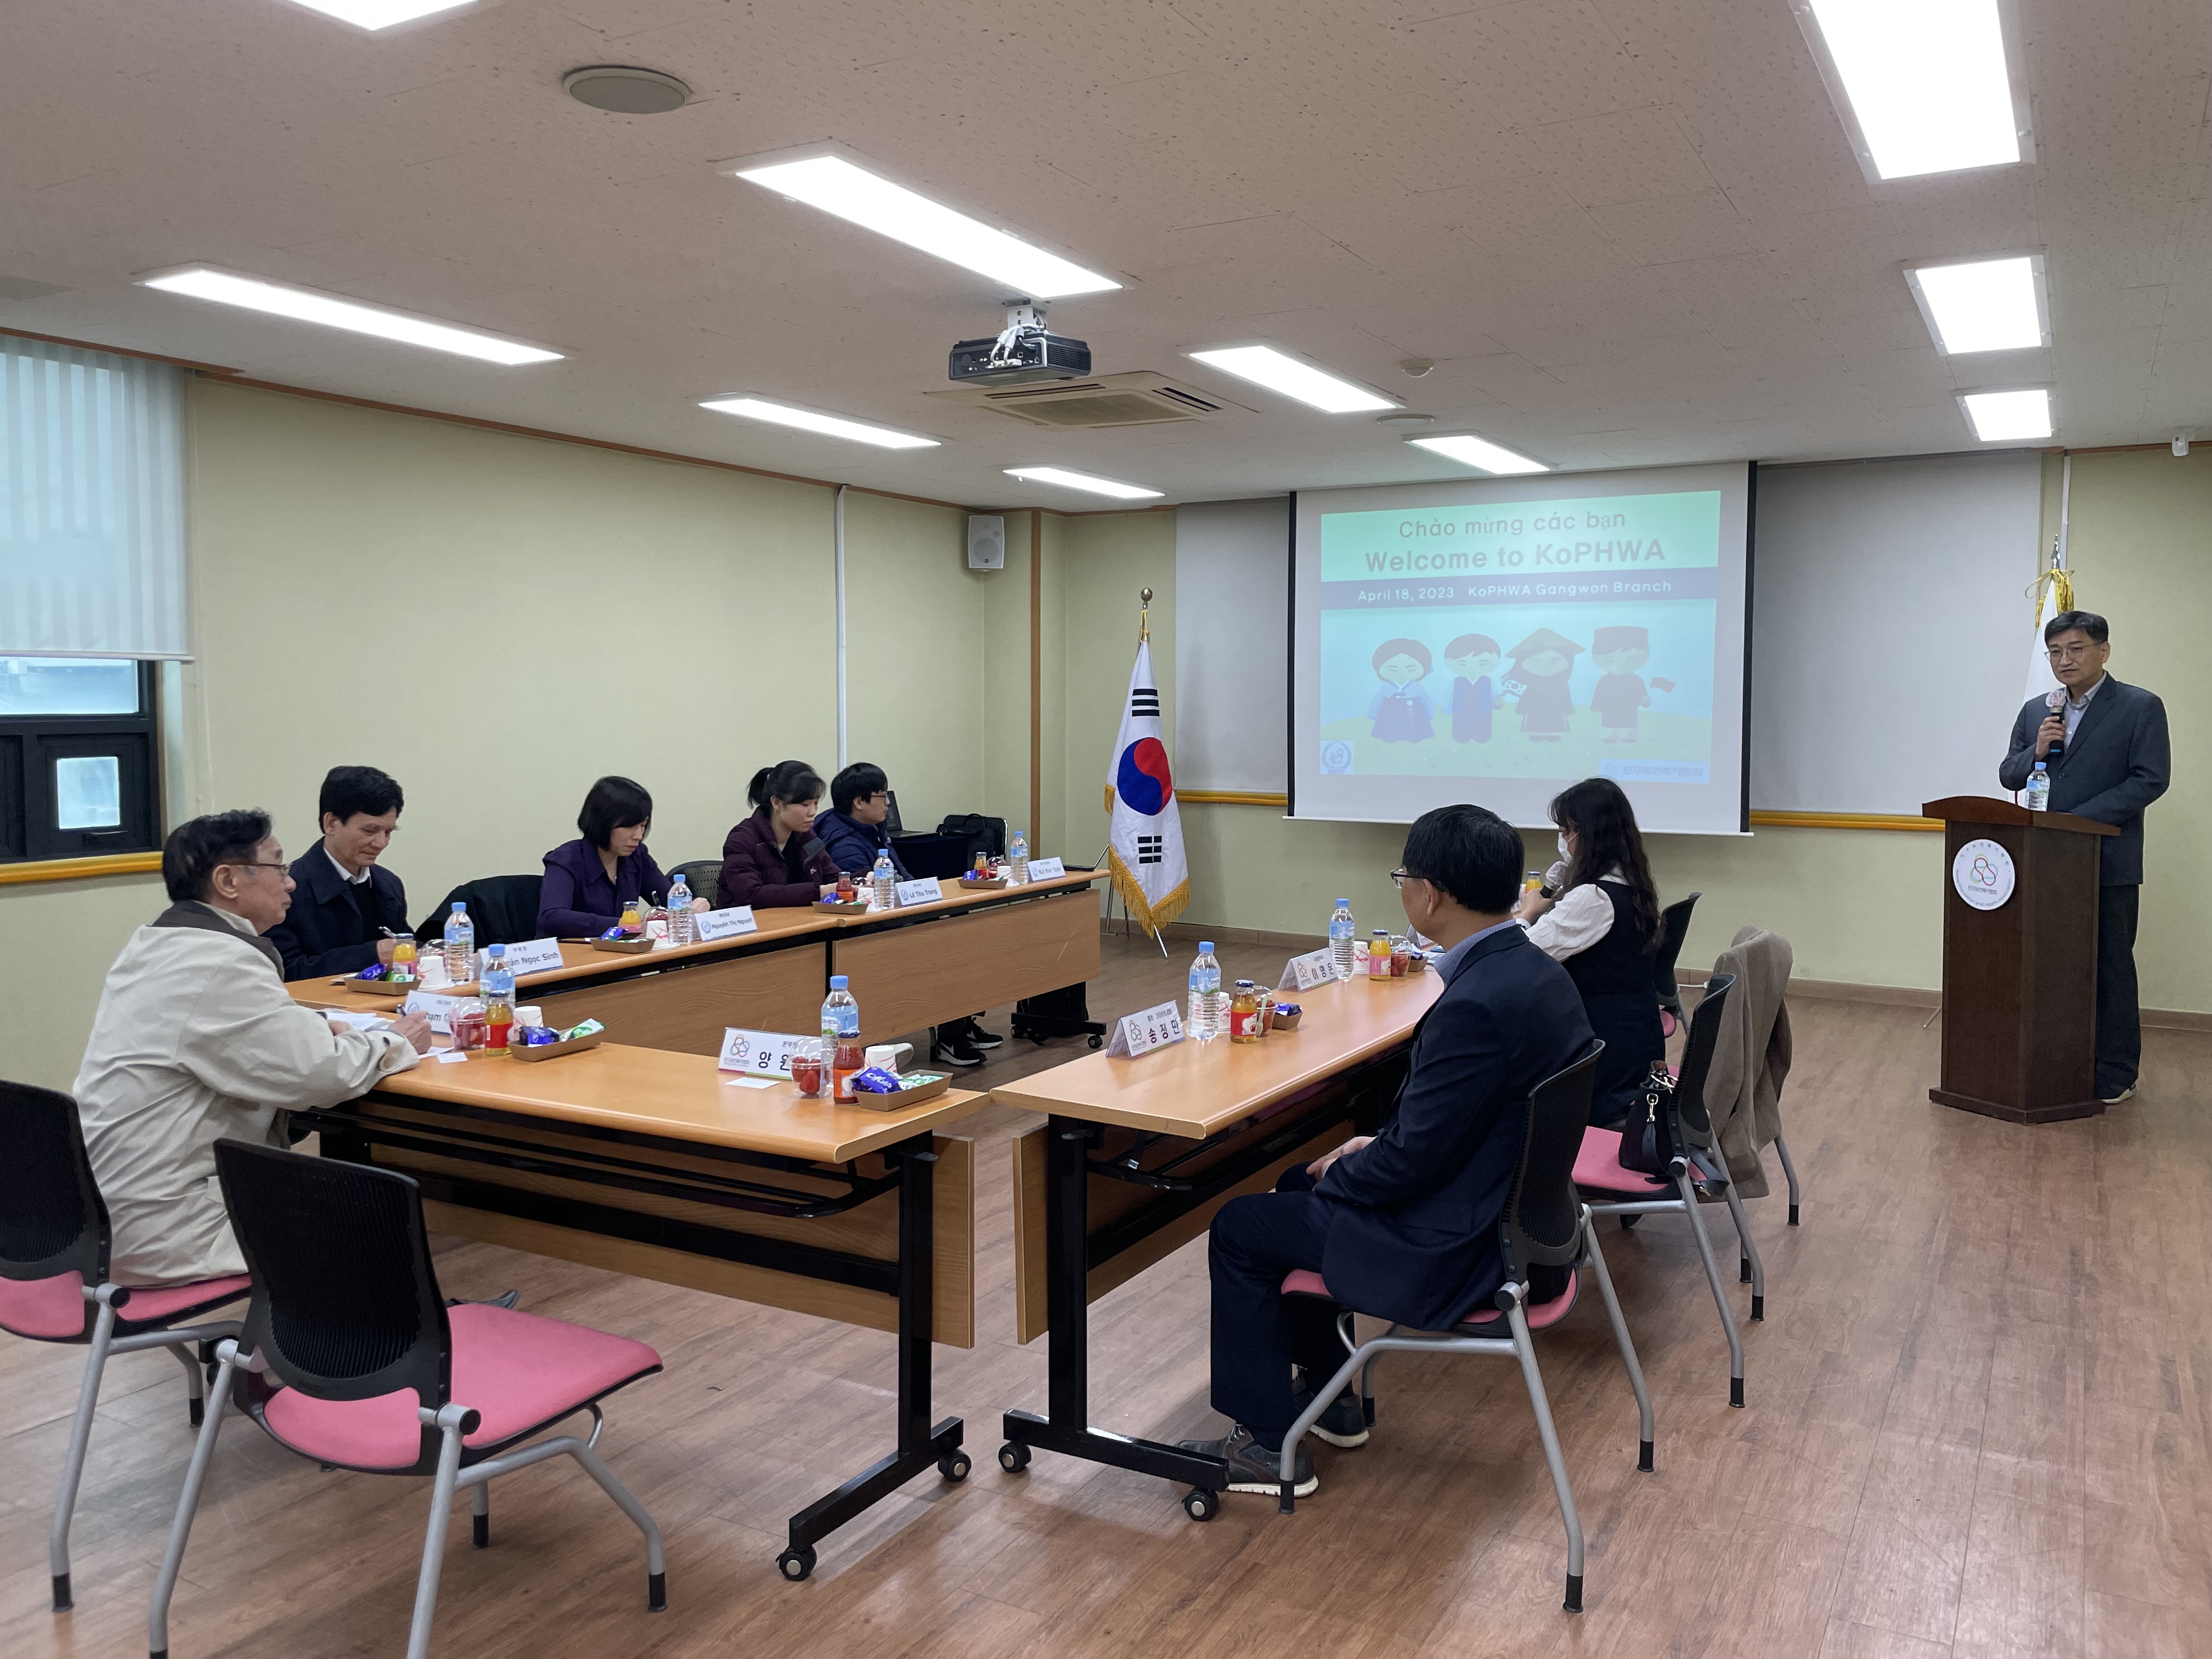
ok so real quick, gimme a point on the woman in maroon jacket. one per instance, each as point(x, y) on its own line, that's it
point(774, 858)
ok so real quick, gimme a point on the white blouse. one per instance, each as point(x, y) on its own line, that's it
point(1583, 916)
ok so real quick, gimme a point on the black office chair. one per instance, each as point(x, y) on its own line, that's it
point(701, 875)
point(1673, 928)
point(503, 908)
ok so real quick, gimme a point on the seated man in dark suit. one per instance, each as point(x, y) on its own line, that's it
point(348, 907)
point(2113, 760)
point(1402, 1225)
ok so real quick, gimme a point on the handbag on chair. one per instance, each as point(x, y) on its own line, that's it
point(1647, 1139)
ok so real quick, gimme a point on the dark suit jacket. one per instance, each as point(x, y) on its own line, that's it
point(2118, 763)
point(1412, 1230)
point(323, 931)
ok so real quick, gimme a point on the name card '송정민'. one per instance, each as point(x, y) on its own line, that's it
point(1315, 968)
point(532, 956)
point(1140, 1033)
point(759, 1054)
point(1046, 869)
point(727, 924)
point(922, 890)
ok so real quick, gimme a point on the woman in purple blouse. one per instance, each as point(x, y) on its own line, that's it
point(589, 880)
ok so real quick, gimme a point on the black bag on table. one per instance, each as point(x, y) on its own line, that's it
point(983, 835)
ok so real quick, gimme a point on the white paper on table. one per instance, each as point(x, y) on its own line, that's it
point(354, 1021)
point(751, 1082)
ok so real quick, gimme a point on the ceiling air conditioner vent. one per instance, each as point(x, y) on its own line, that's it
point(1141, 398)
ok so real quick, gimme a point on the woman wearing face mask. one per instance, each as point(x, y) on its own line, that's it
point(1603, 928)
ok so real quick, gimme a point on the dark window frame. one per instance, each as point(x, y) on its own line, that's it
point(30, 745)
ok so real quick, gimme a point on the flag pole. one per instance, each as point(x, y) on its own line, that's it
point(1145, 637)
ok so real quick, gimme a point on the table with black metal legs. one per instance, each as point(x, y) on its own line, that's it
point(1134, 1158)
point(653, 1164)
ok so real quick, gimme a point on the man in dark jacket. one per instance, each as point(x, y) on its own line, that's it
point(348, 907)
point(2112, 760)
point(852, 830)
point(1402, 1225)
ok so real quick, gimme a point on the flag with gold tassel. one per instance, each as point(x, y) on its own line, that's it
point(2053, 591)
point(1145, 848)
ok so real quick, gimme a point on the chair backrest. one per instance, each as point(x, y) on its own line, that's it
point(1540, 1225)
point(891, 824)
point(345, 1302)
point(701, 876)
point(1696, 1124)
point(503, 908)
point(51, 1220)
point(1673, 928)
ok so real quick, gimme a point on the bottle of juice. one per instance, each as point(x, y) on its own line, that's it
point(841, 1038)
point(633, 919)
point(403, 959)
point(1244, 1013)
point(1378, 954)
point(499, 998)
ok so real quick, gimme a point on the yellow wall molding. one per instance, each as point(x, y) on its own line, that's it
point(118, 864)
point(1230, 797)
point(1842, 821)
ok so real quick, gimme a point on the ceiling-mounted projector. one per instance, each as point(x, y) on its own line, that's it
point(1023, 351)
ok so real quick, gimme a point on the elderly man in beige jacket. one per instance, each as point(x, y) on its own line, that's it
point(195, 1039)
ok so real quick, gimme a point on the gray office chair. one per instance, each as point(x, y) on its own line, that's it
point(700, 875)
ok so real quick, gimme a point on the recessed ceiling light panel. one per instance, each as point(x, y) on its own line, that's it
point(1984, 305)
point(2008, 417)
point(330, 311)
point(1281, 373)
point(853, 193)
point(1480, 453)
point(374, 14)
point(1062, 478)
point(829, 426)
point(625, 89)
point(1923, 86)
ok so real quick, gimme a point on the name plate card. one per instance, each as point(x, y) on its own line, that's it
point(534, 956)
point(438, 1010)
point(1045, 869)
point(923, 890)
point(713, 925)
point(1315, 968)
point(759, 1054)
point(1140, 1033)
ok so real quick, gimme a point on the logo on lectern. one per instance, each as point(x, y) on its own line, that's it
point(1982, 874)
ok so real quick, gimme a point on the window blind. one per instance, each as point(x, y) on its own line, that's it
point(92, 520)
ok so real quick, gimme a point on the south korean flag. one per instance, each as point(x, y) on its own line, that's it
point(1145, 852)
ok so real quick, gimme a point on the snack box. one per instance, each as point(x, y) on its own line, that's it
point(382, 987)
point(530, 1054)
point(624, 947)
point(838, 907)
point(989, 883)
point(918, 1087)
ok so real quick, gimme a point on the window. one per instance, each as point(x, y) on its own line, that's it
point(79, 774)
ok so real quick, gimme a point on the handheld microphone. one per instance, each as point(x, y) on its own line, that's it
point(2055, 702)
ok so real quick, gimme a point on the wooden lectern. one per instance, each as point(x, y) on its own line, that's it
point(2020, 977)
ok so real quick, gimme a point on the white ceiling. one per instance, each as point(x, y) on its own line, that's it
point(1628, 231)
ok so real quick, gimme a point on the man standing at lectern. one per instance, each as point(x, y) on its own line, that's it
point(2111, 763)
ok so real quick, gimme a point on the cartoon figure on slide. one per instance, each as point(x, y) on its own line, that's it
point(1541, 663)
point(1620, 652)
point(1400, 710)
point(1473, 659)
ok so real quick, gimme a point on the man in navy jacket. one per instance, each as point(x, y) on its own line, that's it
point(852, 830)
point(1402, 1225)
point(346, 900)
point(2113, 760)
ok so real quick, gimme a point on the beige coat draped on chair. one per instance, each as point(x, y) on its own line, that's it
point(1751, 1060)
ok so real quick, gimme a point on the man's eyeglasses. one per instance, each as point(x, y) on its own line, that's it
point(2069, 652)
point(256, 864)
point(1399, 876)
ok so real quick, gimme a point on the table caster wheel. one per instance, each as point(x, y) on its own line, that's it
point(1201, 1504)
point(796, 1564)
point(954, 1466)
point(1014, 1457)
point(1098, 1042)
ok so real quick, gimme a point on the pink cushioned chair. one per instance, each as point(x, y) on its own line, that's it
point(1544, 1225)
point(1697, 1166)
point(54, 1286)
point(379, 1375)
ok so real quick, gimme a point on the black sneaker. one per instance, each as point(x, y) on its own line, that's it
point(1252, 1469)
point(978, 1037)
point(953, 1047)
point(1344, 1424)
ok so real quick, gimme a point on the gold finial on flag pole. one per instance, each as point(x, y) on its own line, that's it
point(1145, 617)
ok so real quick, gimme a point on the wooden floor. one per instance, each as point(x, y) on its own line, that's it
point(1978, 1425)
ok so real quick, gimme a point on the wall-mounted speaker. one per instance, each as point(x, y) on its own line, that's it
point(987, 541)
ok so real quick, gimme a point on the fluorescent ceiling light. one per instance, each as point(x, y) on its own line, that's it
point(1923, 84)
point(829, 426)
point(1991, 305)
point(836, 186)
point(380, 14)
point(1999, 416)
point(306, 306)
point(1479, 453)
point(1067, 480)
point(1280, 372)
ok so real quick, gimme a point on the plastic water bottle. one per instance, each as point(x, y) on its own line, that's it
point(498, 996)
point(460, 946)
point(884, 880)
point(1340, 931)
point(681, 923)
point(841, 1038)
point(1204, 1023)
point(1017, 860)
point(2039, 789)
